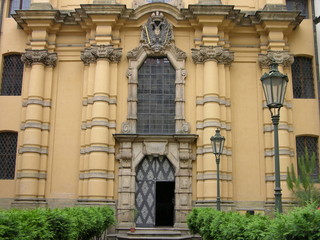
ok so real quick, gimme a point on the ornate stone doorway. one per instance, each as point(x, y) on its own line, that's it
point(162, 163)
point(155, 178)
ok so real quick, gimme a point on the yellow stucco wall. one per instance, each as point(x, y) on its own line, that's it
point(248, 163)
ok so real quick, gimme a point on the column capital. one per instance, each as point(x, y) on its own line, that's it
point(87, 56)
point(281, 57)
point(39, 56)
point(91, 55)
point(212, 53)
point(107, 52)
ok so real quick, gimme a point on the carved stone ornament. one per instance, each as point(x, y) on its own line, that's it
point(90, 55)
point(39, 56)
point(281, 57)
point(209, 53)
point(156, 33)
point(126, 127)
point(157, 39)
point(51, 60)
point(87, 56)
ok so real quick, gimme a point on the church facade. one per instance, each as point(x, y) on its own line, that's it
point(115, 103)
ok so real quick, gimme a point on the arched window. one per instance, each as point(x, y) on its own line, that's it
point(302, 78)
point(8, 152)
point(12, 74)
point(310, 144)
point(156, 97)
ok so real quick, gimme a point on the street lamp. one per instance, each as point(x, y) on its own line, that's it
point(274, 86)
point(217, 142)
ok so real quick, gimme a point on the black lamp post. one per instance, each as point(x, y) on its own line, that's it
point(274, 85)
point(217, 142)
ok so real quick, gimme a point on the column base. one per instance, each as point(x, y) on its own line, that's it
point(225, 205)
point(29, 203)
point(96, 202)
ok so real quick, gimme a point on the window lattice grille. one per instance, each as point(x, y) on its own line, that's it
point(311, 144)
point(156, 97)
point(302, 78)
point(12, 75)
point(8, 151)
point(298, 5)
point(19, 5)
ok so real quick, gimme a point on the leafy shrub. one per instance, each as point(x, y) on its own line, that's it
point(299, 224)
point(79, 223)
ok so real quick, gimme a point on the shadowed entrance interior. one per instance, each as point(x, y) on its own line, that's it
point(164, 203)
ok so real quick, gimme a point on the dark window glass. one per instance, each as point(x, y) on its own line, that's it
point(310, 144)
point(12, 75)
point(298, 5)
point(302, 78)
point(19, 5)
point(8, 151)
point(156, 97)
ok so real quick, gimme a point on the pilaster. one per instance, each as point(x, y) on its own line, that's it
point(284, 59)
point(35, 127)
point(97, 151)
point(212, 113)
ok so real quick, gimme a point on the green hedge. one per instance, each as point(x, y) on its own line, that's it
point(298, 224)
point(78, 223)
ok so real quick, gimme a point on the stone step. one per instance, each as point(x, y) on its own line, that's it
point(146, 237)
point(154, 234)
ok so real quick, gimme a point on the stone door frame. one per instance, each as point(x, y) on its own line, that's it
point(132, 149)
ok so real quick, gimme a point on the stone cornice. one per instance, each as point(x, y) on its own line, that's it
point(119, 12)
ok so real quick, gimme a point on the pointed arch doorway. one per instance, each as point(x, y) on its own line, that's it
point(155, 185)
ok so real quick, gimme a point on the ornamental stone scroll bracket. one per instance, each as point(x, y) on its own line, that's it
point(125, 158)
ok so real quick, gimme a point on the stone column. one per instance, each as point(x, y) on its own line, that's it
point(212, 110)
point(32, 170)
point(87, 95)
point(284, 59)
point(98, 171)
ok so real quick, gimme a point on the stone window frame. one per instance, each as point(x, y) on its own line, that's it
point(136, 58)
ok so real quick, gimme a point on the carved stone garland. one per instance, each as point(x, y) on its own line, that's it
point(156, 40)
